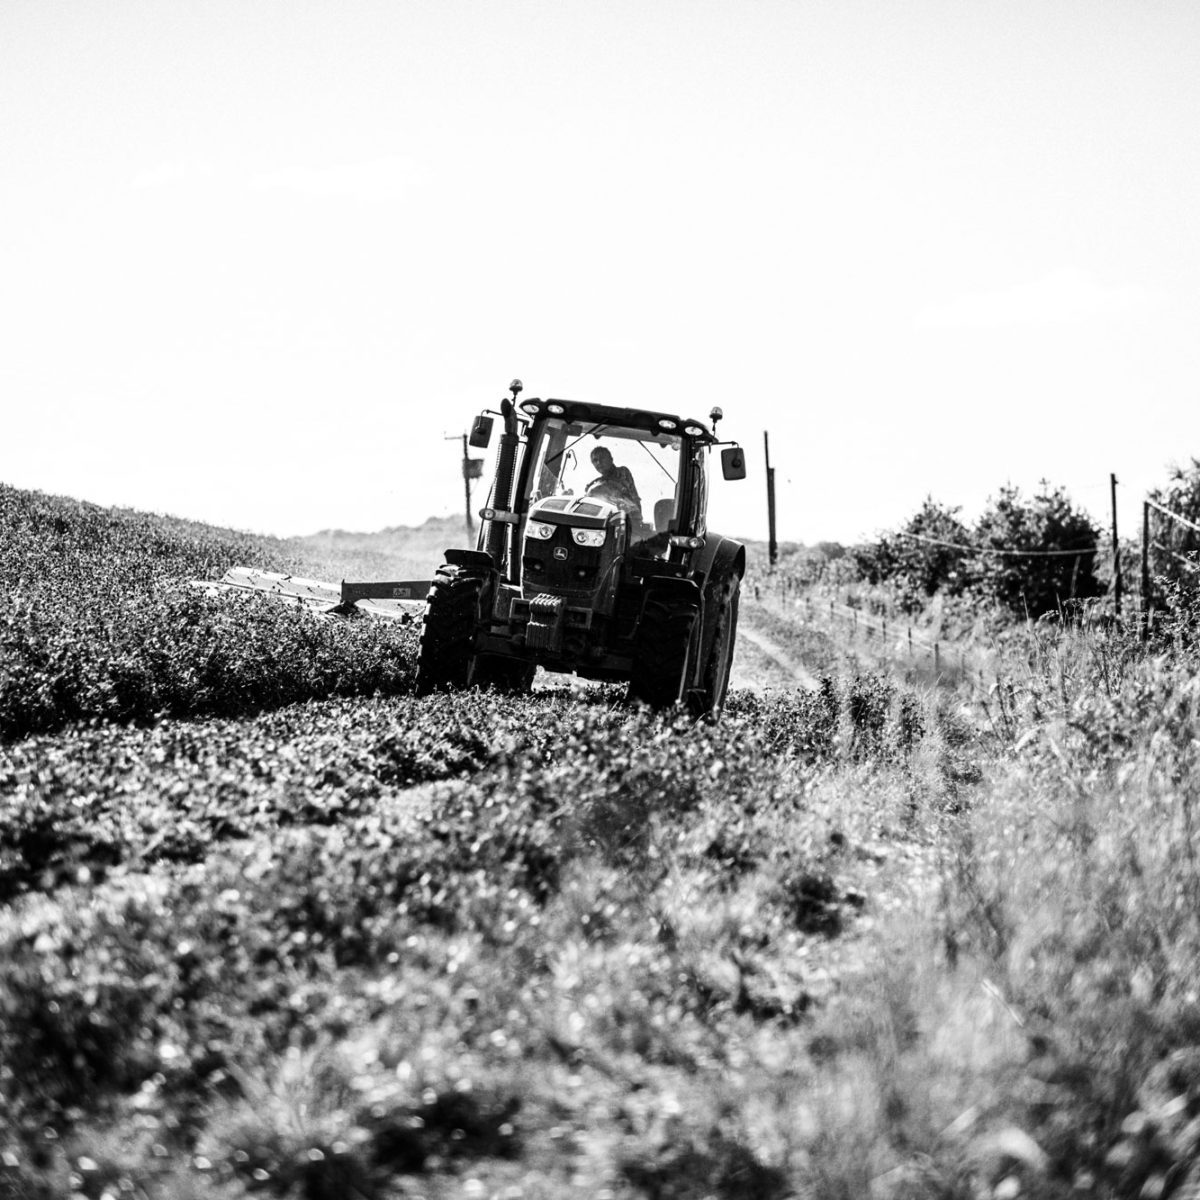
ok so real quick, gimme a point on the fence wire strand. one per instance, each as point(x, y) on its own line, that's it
point(1002, 552)
point(1182, 520)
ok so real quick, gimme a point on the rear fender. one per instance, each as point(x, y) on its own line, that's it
point(718, 557)
point(672, 590)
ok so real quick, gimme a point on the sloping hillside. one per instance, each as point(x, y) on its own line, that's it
point(399, 552)
point(99, 623)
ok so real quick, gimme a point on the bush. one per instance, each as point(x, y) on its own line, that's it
point(919, 568)
point(1046, 527)
point(1035, 574)
point(1180, 565)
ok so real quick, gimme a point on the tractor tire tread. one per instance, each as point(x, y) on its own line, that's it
point(709, 697)
point(452, 614)
point(662, 653)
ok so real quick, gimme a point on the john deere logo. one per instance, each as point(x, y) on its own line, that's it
point(560, 552)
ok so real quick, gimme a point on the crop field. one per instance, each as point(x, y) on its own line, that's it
point(271, 925)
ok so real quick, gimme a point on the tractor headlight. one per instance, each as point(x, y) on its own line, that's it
point(540, 530)
point(588, 537)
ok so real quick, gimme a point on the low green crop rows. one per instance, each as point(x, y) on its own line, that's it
point(98, 623)
point(446, 889)
point(364, 943)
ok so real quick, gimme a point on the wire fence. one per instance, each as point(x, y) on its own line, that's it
point(1170, 535)
point(1179, 522)
point(1173, 537)
point(1178, 518)
point(898, 640)
point(1002, 551)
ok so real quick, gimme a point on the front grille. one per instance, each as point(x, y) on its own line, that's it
point(576, 573)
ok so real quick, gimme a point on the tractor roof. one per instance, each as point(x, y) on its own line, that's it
point(621, 417)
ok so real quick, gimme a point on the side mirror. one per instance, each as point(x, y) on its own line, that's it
point(481, 432)
point(733, 463)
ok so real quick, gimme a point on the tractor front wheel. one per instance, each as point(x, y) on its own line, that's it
point(664, 652)
point(454, 610)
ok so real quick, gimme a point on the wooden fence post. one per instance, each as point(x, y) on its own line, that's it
point(1116, 551)
point(1145, 569)
point(772, 544)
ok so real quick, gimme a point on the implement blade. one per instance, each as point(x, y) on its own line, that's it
point(385, 600)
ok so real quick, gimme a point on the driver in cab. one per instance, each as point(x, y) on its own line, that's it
point(614, 484)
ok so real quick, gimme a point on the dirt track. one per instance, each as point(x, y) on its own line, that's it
point(767, 663)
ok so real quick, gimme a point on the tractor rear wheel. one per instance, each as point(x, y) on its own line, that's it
point(453, 612)
point(664, 653)
point(709, 697)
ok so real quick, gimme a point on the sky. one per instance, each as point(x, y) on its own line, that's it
point(260, 260)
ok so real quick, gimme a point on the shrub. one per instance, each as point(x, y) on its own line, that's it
point(1048, 527)
point(919, 568)
point(1179, 566)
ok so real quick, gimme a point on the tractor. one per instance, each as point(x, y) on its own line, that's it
point(593, 557)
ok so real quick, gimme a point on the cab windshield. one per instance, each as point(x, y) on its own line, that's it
point(635, 469)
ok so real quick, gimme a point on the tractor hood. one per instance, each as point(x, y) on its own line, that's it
point(572, 549)
point(580, 512)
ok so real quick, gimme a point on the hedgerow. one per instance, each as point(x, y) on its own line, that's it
point(1026, 557)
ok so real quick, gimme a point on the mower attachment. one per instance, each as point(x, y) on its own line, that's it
point(385, 600)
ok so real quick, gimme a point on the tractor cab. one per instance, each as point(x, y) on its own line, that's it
point(646, 477)
point(652, 467)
